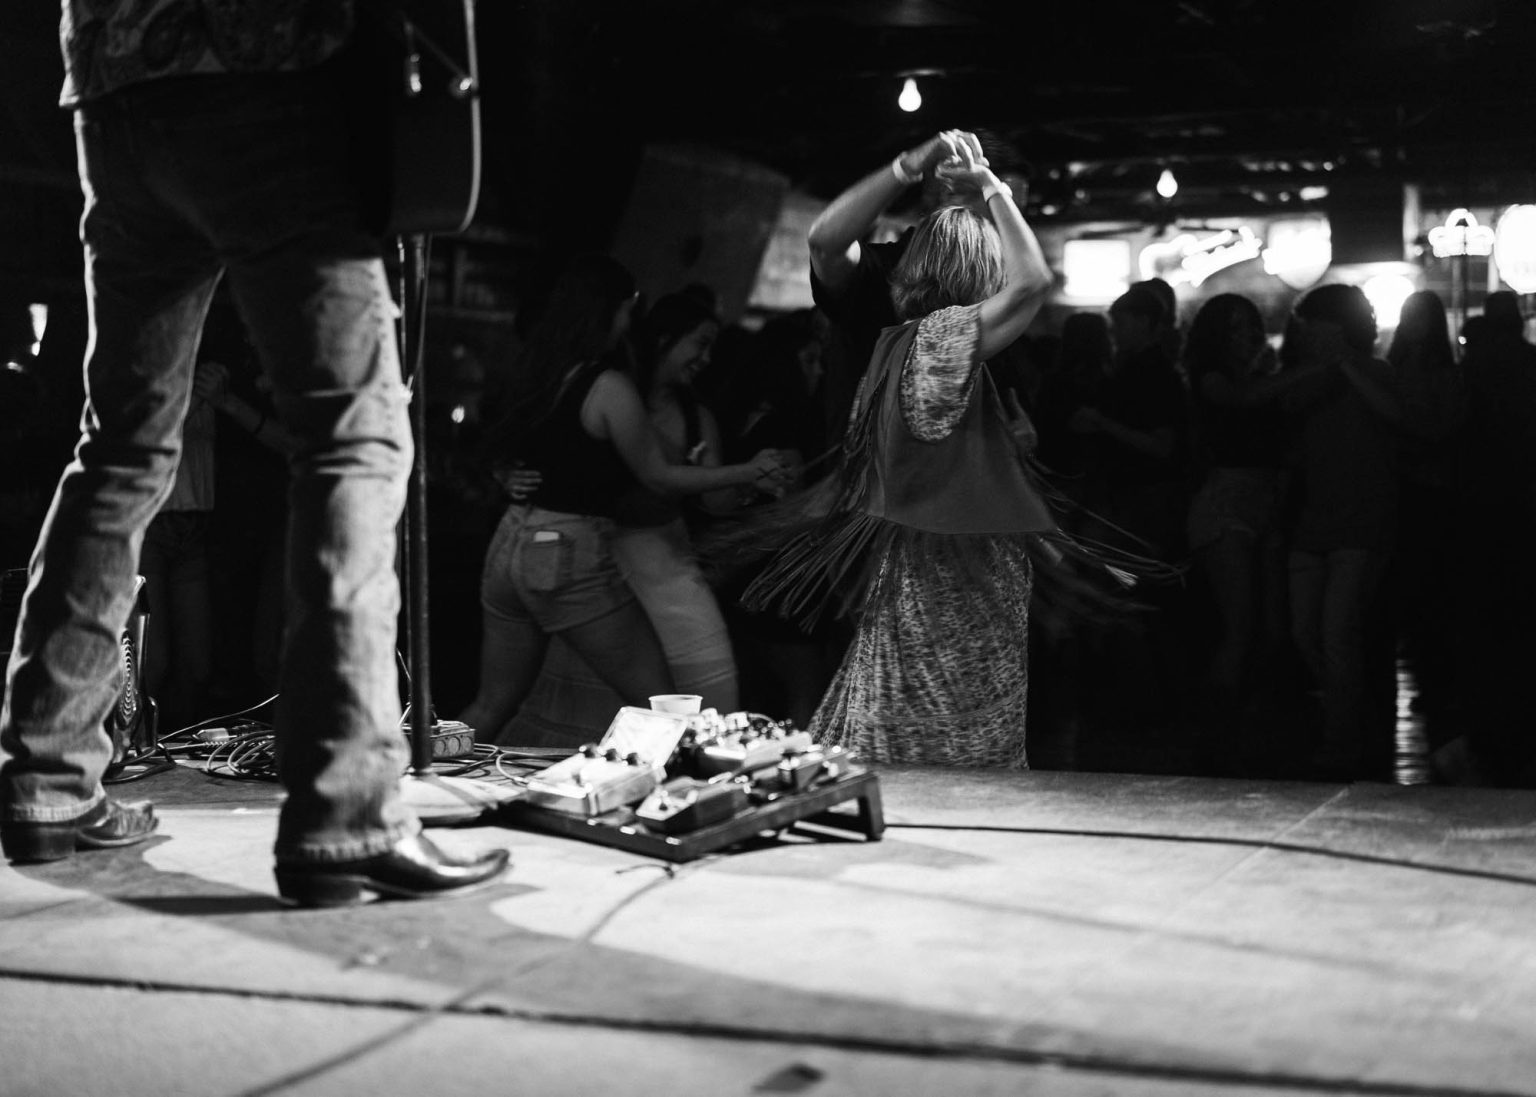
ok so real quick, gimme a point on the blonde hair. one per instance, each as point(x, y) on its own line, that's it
point(953, 258)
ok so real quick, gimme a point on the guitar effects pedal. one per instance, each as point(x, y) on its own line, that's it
point(747, 749)
point(593, 782)
point(799, 769)
point(685, 804)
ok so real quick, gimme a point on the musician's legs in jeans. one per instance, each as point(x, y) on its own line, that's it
point(149, 279)
point(271, 185)
point(247, 172)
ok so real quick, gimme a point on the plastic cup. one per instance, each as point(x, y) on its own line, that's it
point(680, 704)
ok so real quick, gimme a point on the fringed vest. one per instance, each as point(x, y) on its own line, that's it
point(948, 497)
point(969, 482)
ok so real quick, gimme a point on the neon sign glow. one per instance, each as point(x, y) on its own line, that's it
point(1191, 259)
point(1096, 269)
point(1299, 252)
point(1461, 235)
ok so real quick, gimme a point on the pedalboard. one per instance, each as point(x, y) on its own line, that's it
point(725, 780)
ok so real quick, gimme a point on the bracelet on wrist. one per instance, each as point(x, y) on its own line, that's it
point(993, 188)
point(899, 170)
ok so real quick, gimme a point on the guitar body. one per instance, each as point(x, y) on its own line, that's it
point(415, 96)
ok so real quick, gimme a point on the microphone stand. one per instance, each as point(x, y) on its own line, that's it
point(437, 799)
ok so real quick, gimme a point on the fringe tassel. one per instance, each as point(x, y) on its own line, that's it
point(818, 568)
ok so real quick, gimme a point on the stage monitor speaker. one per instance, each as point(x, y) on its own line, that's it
point(1365, 219)
point(699, 216)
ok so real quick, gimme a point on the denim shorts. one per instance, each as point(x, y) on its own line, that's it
point(552, 569)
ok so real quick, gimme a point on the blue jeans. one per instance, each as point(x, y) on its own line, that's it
point(185, 181)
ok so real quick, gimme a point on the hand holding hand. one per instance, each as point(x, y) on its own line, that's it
point(942, 148)
point(967, 169)
point(768, 465)
point(518, 482)
point(774, 474)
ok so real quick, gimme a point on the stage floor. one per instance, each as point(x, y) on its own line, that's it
point(1042, 934)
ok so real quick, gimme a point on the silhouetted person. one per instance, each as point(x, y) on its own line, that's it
point(1494, 524)
point(1427, 553)
point(1347, 440)
point(1234, 529)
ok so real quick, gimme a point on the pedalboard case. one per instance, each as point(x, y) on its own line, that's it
point(679, 787)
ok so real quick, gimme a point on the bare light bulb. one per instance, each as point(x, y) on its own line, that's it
point(1167, 185)
point(910, 98)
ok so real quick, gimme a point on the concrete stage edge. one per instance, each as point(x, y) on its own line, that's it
point(1040, 933)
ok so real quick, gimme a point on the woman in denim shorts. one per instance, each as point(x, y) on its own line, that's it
point(550, 568)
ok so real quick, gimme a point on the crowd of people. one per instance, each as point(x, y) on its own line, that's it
point(905, 518)
point(1234, 541)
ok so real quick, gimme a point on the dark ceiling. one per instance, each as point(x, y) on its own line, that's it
point(1247, 100)
point(1090, 98)
point(1230, 92)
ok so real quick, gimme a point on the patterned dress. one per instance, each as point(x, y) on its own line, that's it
point(937, 673)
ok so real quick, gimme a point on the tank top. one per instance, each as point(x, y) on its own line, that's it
point(582, 474)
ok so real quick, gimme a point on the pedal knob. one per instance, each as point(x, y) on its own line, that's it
point(590, 750)
point(634, 759)
point(612, 754)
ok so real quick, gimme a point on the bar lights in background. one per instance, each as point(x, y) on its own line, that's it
point(1297, 251)
point(1514, 248)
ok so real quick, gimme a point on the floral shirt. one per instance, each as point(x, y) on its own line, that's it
point(109, 44)
point(939, 376)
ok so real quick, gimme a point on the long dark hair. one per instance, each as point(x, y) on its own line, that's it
point(669, 319)
point(1208, 346)
point(575, 326)
point(1346, 306)
point(1422, 330)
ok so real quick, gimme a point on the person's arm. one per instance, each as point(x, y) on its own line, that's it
point(261, 426)
point(834, 236)
point(1157, 443)
point(1254, 391)
point(211, 383)
point(517, 482)
point(615, 412)
point(722, 500)
point(1027, 277)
